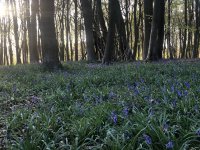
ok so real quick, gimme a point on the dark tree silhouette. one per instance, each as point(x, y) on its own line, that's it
point(48, 35)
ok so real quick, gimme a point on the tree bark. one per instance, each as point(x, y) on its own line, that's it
point(157, 31)
point(111, 33)
point(148, 14)
point(48, 35)
point(88, 21)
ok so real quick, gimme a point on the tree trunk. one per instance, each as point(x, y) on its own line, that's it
point(197, 26)
point(16, 33)
point(88, 21)
point(48, 35)
point(148, 14)
point(169, 30)
point(111, 33)
point(62, 42)
point(76, 29)
point(34, 56)
point(157, 31)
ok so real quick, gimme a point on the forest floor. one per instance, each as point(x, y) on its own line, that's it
point(90, 106)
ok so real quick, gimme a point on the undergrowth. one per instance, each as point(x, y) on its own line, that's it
point(90, 106)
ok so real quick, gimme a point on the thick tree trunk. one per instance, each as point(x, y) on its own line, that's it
point(34, 56)
point(111, 33)
point(157, 31)
point(48, 35)
point(101, 19)
point(88, 21)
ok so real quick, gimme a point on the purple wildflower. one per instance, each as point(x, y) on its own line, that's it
point(185, 92)
point(147, 139)
point(136, 91)
point(165, 127)
point(174, 103)
point(151, 112)
point(142, 80)
point(125, 111)
point(14, 88)
point(59, 120)
point(169, 145)
point(196, 108)
point(179, 93)
point(187, 84)
point(198, 132)
point(135, 84)
point(112, 95)
point(114, 117)
point(172, 89)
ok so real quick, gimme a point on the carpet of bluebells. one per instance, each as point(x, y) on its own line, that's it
point(143, 106)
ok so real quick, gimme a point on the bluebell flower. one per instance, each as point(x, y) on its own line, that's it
point(198, 132)
point(135, 84)
point(130, 87)
point(165, 127)
point(142, 80)
point(146, 98)
point(169, 145)
point(136, 91)
point(179, 93)
point(174, 103)
point(187, 84)
point(185, 93)
point(14, 88)
point(151, 112)
point(59, 120)
point(114, 117)
point(112, 95)
point(147, 139)
point(196, 108)
point(125, 111)
point(172, 89)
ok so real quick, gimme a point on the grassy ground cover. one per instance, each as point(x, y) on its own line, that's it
point(89, 106)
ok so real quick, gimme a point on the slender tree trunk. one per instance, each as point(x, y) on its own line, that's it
point(76, 29)
point(62, 42)
point(183, 51)
point(5, 43)
point(169, 29)
point(136, 30)
point(67, 28)
point(123, 45)
point(16, 33)
point(197, 26)
point(148, 14)
point(9, 41)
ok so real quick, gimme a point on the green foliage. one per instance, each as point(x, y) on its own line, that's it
point(123, 106)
